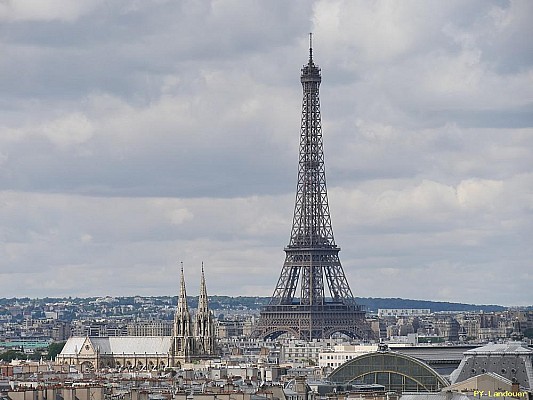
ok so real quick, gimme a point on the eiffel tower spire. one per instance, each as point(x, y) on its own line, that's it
point(312, 262)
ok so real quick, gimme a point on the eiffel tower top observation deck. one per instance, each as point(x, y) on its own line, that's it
point(311, 257)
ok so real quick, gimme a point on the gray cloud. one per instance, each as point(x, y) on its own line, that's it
point(134, 135)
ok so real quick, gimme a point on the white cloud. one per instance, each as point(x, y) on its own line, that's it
point(72, 129)
point(45, 10)
point(138, 135)
point(475, 193)
point(180, 215)
point(380, 32)
point(86, 238)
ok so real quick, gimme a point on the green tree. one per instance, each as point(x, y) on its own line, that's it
point(11, 355)
point(54, 349)
point(36, 355)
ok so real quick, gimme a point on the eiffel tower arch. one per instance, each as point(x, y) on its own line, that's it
point(300, 305)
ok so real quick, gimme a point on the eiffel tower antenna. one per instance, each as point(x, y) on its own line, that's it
point(311, 47)
point(300, 305)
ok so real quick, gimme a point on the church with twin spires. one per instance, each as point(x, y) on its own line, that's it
point(193, 338)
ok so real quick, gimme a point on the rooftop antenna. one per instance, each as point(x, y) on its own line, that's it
point(310, 47)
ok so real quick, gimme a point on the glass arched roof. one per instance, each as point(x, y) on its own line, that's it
point(397, 372)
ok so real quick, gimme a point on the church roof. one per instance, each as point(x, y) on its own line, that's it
point(73, 345)
point(121, 345)
point(133, 344)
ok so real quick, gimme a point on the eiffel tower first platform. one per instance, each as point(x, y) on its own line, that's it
point(312, 257)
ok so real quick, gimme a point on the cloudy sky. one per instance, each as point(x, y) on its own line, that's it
point(138, 134)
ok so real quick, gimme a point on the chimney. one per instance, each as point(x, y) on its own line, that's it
point(515, 387)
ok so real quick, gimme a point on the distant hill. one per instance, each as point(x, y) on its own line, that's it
point(372, 304)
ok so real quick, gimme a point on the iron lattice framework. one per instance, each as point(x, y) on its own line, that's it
point(312, 256)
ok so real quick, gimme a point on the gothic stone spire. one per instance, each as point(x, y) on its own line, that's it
point(203, 306)
point(182, 335)
point(182, 307)
point(204, 326)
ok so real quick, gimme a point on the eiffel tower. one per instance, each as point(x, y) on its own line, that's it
point(311, 257)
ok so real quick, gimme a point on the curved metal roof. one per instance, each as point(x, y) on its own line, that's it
point(397, 372)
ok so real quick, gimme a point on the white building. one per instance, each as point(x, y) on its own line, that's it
point(403, 312)
point(341, 353)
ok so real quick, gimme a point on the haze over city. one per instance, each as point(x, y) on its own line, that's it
point(134, 136)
